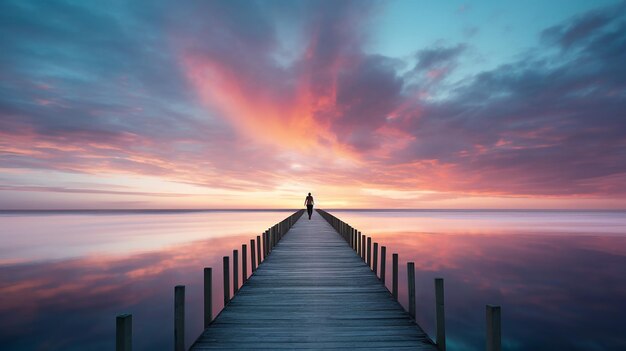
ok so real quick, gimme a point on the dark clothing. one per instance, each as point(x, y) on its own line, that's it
point(309, 200)
point(309, 210)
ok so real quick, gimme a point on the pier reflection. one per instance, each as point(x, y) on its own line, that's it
point(558, 290)
point(560, 287)
point(72, 304)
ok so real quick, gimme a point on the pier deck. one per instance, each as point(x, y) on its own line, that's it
point(313, 292)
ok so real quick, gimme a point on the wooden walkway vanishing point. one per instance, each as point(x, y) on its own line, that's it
point(313, 292)
point(315, 284)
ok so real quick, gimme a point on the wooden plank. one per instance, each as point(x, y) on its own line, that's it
point(314, 292)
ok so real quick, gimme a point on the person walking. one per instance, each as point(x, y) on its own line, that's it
point(309, 205)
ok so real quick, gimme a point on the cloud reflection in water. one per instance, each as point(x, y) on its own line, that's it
point(558, 290)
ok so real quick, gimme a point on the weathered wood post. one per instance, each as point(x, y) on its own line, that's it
point(226, 265)
point(179, 318)
point(244, 263)
point(352, 241)
point(235, 272)
point(363, 246)
point(369, 251)
point(124, 332)
point(274, 235)
point(440, 316)
point(383, 263)
point(494, 342)
point(375, 262)
point(208, 296)
point(258, 250)
point(358, 244)
point(351, 237)
point(264, 245)
point(410, 272)
point(394, 276)
point(252, 256)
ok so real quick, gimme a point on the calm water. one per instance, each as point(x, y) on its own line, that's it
point(560, 277)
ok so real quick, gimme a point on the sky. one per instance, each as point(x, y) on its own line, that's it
point(366, 104)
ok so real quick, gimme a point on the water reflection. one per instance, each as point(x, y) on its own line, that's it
point(562, 291)
point(28, 237)
point(71, 304)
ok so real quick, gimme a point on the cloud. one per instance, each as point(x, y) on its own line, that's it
point(438, 56)
point(537, 126)
point(232, 94)
point(580, 29)
point(85, 191)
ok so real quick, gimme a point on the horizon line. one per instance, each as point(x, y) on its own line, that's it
point(327, 209)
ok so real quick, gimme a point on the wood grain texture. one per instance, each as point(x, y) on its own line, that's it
point(313, 292)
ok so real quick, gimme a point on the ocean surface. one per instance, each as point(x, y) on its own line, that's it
point(560, 276)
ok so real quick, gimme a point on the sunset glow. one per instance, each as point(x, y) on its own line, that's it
point(252, 104)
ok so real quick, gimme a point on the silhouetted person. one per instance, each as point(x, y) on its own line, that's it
point(309, 205)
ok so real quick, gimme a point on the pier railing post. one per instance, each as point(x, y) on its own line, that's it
point(179, 318)
point(208, 296)
point(264, 245)
point(369, 251)
point(252, 256)
point(351, 237)
point(244, 263)
point(274, 234)
point(235, 272)
point(358, 244)
point(124, 332)
point(226, 265)
point(440, 316)
point(383, 263)
point(258, 250)
point(394, 276)
point(375, 262)
point(410, 272)
point(494, 342)
point(363, 239)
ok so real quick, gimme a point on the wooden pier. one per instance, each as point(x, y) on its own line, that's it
point(313, 292)
point(314, 284)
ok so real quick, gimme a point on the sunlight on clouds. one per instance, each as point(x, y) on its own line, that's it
point(253, 106)
point(398, 194)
